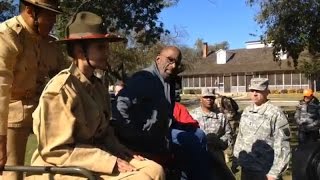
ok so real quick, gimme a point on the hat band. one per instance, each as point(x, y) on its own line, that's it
point(86, 36)
point(57, 7)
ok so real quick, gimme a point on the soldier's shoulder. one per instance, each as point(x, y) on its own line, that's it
point(273, 108)
point(58, 81)
point(11, 25)
point(195, 110)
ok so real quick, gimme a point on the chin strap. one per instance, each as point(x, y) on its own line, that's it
point(35, 19)
point(84, 49)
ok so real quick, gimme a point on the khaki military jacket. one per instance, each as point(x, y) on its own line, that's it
point(26, 61)
point(262, 143)
point(71, 123)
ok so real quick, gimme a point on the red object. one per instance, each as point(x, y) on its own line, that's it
point(181, 114)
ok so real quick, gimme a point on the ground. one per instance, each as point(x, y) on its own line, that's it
point(286, 101)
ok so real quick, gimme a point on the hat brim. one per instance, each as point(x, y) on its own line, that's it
point(56, 10)
point(258, 89)
point(208, 95)
point(106, 37)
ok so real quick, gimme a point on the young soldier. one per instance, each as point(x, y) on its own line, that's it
point(27, 59)
point(71, 121)
point(213, 123)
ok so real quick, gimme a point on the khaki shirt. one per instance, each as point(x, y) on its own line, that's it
point(71, 123)
point(26, 61)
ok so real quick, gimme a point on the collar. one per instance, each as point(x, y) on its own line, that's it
point(75, 71)
point(26, 26)
point(259, 109)
point(210, 114)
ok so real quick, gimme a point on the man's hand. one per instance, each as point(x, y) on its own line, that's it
point(270, 178)
point(123, 166)
point(3, 152)
point(128, 155)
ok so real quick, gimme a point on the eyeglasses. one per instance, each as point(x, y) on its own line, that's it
point(171, 60)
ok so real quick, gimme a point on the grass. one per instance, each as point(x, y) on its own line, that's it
point(31, 147)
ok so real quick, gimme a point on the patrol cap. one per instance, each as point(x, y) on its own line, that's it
point(86, 25)
point(207, 92)
point(259, 84)
point(51, 5)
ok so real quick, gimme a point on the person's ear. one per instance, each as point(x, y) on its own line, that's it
point(29, 11)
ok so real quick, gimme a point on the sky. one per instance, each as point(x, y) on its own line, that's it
point(213, 21)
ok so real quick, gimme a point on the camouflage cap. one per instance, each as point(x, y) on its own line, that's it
point(259, 84)
point(207, 92)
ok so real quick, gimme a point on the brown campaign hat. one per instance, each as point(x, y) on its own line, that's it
point(51, 5)
point(86, 25)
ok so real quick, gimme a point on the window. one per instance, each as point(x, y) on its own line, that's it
point(185, 81)
point(215, 81)
point(191, 83)
point(208, 81)
point(263, 75)
point(271, 79)
point(296, 79)
point(196, 81)
point(203, 81)
point(304, 80)
point(279, 79)
point(234, 80)
point(241, 80)
point(287, 79)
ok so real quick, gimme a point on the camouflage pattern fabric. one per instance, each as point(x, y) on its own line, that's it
point(213, 123)
point(307, 115)
point(262, 144)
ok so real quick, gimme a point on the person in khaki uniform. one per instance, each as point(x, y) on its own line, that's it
point(27, 59)
point(71, 121)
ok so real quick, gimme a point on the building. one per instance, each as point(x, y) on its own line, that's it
point(230, 71)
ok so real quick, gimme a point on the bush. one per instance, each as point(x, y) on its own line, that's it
point(275, 91)
point(192, 91)
point(284, 91)
point(300, 91)
point(292, 91)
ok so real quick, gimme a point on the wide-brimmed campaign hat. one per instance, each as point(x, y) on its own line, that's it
point(51, 5)
point(86, 25)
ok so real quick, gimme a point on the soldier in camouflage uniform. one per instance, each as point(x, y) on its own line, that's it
point(307, 117)
point(262, 147)
point(213, 123)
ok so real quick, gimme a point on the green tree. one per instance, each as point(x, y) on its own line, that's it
point(138, 18)
point(291, 25)
point(7, 9)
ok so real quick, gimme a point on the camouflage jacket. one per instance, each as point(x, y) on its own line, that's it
point(307, 115)
point(262, 143)
point(213, 123)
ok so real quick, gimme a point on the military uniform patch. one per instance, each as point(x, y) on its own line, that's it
point(286, 131)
